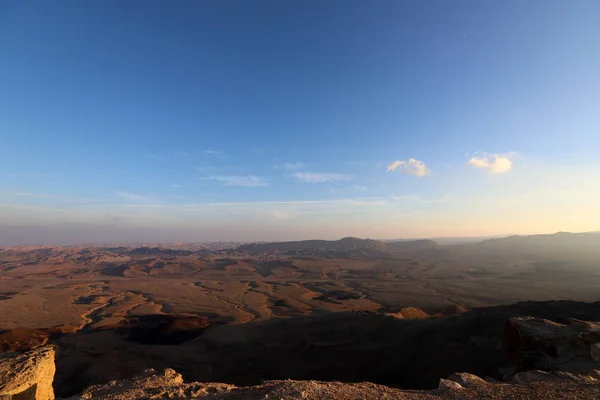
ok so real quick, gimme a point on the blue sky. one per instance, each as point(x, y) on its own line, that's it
point(264, 120)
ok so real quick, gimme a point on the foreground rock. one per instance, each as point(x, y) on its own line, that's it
point(553, 361)
point(347, 347)
point(550, 346)
point(544, 376)
point(27, 376)
point(170, 385)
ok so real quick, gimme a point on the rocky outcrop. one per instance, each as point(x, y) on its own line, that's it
point(27, 376)
point(447, 384)
point(409, 313)
point(552, 361)
point(540, 344)
point(349, 347)
point(544, 376)
point(169, 384)
point(467, 380)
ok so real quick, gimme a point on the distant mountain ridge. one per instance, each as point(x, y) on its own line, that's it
point(347, 244)
point(585, 240)
point(552, 239)
point(344, 244)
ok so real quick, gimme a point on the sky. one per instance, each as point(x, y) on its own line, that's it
point(139, 121)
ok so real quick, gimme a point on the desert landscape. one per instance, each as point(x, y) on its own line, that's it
point(343, 310)
point(299, 200)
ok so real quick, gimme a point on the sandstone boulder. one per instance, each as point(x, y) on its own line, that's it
point(467, 380)
point(446, 384)
point(27, 376)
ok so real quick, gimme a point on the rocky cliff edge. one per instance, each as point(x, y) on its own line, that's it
point(27, 376)
point(552, 361)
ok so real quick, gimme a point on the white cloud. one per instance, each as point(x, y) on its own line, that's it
point(135, 198)
point(341, 205)
point(412, 166)
point(147, 214)
point(360, 188)
point(318, 177)
point(250, 180)
point(214, 152)
point(158, 210)
point(495, 163)
point(300, 172)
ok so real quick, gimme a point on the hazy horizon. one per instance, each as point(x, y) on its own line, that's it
point(270, 120)
point(128, 239)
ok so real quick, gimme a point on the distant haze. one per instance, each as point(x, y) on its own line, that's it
point(82, 234)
